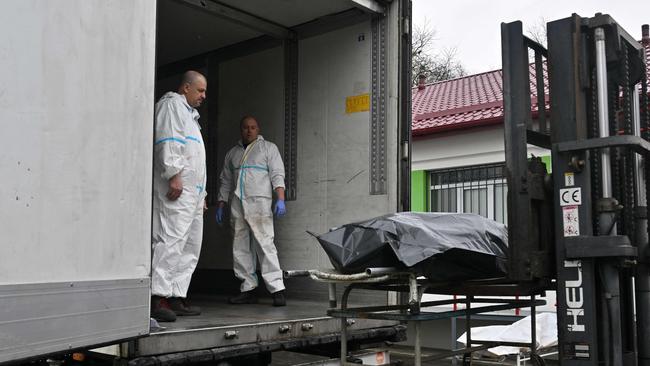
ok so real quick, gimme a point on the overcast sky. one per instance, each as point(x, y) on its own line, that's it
point(473, 27)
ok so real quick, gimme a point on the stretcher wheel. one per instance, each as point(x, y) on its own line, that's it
point(537, 360)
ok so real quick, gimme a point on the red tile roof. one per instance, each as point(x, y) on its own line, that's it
point(474, 100)
point(470, 101)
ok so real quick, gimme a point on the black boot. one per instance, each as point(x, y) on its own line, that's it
point(278, 298)
point(181, 308)
point(160, 310)
point(246, 297)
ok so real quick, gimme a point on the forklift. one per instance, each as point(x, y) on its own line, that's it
point(584, 226)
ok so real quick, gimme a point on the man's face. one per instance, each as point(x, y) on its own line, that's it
point(195, 92)
point(249, 130)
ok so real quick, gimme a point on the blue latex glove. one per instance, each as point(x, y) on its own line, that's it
point(219, 215)
point(280, 208)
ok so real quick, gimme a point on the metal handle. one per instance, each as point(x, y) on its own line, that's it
point(378, 271)
point(295, 273)
point(231, 334)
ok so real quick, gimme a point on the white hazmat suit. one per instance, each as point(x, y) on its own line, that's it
point(248, 179)
point(177, 225)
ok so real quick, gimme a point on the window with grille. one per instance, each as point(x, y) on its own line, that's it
point(479, 189)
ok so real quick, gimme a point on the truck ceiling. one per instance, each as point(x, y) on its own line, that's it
point(191, 27)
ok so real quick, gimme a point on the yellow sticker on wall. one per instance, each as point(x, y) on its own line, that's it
point(357, 103)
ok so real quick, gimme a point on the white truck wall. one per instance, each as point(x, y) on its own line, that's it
point(76, 112)
point(76, 104)
point(249, 85)
point(333, 147)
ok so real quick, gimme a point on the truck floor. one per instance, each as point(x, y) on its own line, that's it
point(223, 327)
point(217, 312)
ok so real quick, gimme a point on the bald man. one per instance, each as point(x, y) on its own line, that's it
point(252, 171)
point(179, 197)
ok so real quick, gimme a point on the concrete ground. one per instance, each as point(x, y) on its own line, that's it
point(400, 355)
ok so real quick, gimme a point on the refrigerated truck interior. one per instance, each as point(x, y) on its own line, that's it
point(329, 82)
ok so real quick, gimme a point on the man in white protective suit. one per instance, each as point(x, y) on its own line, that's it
point(178, 198)
point(252, 170)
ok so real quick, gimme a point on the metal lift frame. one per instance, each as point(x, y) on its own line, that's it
point(389, 279)
point(600, 216)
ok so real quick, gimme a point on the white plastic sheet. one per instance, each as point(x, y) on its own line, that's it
point(519, 331)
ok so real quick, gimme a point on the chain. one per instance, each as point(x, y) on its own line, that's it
point(645, 112)
point(615, 152)
point(596, 186)
point(629, 190)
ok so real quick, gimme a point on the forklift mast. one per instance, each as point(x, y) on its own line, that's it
point(584, 226)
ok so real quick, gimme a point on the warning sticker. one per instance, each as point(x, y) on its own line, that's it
point(357, 103)
point(571, 221)
point(570, 196)
point(569, 179)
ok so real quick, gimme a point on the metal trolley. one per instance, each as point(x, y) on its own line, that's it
point(413, 311)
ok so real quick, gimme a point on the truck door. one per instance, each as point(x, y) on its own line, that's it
point(76, 112)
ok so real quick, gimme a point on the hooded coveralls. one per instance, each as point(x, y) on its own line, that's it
point(177, 225)
point(248, 177)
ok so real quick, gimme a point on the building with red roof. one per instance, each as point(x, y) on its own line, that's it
point(458, 146)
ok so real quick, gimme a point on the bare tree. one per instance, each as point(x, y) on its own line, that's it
point(537, 31)
point(435, 66)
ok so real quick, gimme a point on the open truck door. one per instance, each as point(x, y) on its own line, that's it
point(76, 111)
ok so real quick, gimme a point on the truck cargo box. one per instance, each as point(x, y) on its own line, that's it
point(328, 81)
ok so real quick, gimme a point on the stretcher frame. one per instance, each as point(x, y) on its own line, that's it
point(411, 311)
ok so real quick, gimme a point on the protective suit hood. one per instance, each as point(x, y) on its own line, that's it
point(180, 98)
point(259, 138)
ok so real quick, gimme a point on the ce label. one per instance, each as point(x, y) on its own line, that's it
point(570, 196)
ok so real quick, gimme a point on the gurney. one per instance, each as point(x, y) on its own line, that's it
point(414, 257)
point(413, 311)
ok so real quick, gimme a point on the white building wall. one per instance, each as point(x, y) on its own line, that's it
point(473, 146)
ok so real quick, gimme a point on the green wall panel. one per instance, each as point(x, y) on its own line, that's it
point(419, 191)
